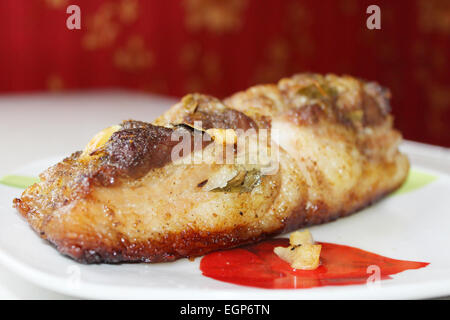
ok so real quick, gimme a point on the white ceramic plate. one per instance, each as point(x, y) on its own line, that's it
point(413, 226)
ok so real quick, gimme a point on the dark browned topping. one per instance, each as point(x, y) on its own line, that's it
point(345, 100)
point(229, 119)
point(306, 115)
point(133, 124)
point(139, 147)
point(213, 114)
point(130, 152)
point(375, 104)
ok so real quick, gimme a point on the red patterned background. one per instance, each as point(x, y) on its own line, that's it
point(221, 46)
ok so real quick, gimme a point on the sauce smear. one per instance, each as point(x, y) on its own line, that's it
point(258, 266)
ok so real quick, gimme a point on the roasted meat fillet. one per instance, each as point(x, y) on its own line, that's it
point(132, 196)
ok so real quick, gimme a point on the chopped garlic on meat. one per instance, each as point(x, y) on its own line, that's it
point(223, 136)
point(303, 253)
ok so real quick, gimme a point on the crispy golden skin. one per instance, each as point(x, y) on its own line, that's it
point(129, 202)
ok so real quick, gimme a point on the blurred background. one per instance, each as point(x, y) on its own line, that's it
point(222, 46)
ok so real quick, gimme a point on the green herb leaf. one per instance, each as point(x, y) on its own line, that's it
point(16, 181)
point(244, 181)
point(415, 180)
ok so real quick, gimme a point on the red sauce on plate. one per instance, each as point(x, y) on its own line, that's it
point(258, 266)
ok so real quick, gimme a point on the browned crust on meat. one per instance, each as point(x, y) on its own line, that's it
point(172, 247)
point(194, 243)
point(308, 98)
